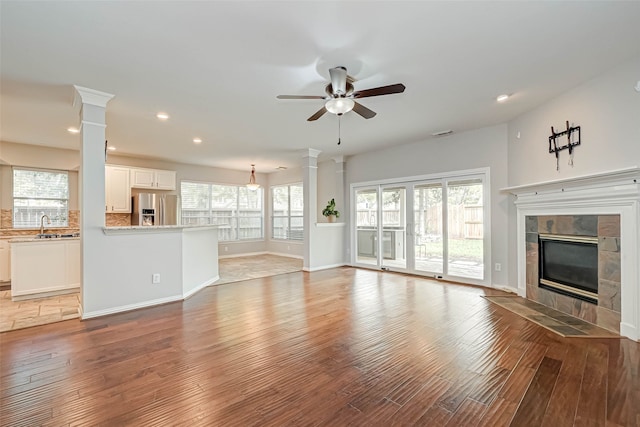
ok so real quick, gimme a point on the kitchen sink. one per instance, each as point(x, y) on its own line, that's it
point(56, 236)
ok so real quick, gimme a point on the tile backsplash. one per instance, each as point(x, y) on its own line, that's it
point(6, 225)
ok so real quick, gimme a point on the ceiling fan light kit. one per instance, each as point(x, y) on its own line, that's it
point(341, 94)
point(339, 106)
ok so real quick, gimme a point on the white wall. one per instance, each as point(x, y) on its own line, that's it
point(607, 109)
point(327, 188)
point(480, 148)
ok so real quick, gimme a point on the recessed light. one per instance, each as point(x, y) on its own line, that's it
point(281, 168)
point(197, 140)
point(502, 98)
point(111, 148)
point(162, 116)
point(73, 130)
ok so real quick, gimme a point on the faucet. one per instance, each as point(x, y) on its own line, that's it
point(42, 222)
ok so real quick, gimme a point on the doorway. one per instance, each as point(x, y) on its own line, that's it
point(433, 227)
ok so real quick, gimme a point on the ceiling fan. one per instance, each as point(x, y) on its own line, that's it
point(341, 95)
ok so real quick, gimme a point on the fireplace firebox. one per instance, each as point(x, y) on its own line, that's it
point(569, 265)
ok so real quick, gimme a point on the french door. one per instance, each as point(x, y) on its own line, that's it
point(431, 227)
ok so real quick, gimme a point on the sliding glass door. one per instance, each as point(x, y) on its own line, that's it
point(465, 254)
point(366, 221)
point(394, 253)
point(429, 231)
point(438, 231)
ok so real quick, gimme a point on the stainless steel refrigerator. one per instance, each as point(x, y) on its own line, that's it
point(156, 209)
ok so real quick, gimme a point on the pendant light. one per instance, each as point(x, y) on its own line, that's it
point(253, 185)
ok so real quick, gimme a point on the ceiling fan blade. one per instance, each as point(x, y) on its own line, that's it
point(300, 97)
point(338, 80)
point(317, 115)
point(382, 90)
point(363, 111)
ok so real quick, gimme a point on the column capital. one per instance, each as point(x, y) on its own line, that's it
point(85, 95)
point(338, 159)
point(310, 152)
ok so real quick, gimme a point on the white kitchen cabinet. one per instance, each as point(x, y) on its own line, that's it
point(118, 189)
point(153, 178)
point(44, 267)
point(5, 261)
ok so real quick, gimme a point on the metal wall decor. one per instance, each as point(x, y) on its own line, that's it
point(555, 142)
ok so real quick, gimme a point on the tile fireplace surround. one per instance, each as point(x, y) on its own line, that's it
point(607, 195)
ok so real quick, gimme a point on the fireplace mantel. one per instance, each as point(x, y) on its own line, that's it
point(608, 193)
point(606, 179)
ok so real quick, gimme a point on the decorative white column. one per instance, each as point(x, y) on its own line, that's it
point(310, 199)
point(93, 106)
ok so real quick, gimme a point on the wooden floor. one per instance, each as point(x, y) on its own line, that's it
point(332, 348)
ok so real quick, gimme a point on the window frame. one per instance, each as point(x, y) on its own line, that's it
point(234, 220)
point(60, 223)
point(289, 216)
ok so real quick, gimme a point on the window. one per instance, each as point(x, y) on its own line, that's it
point(236, 210)
point(287, 221)
point(37, 193)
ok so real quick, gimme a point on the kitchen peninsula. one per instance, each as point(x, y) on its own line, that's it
point(155, 264)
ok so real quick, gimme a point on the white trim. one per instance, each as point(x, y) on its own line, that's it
point(598, 179)
point(91, 96)
point(409, 182)
point(129, 307)
point(51, 292)
point(323, 267)
point(310, 152)
point(611, 193)
point(242, 254)
point(330, 224)
point(87, 122)
point(285, 255)
point(428, 177)
point(200, 287)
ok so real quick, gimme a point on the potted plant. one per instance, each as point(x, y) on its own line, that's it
point(330, 211)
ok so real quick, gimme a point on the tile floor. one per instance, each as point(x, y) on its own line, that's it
point(554, 320)
point(255, 266)
point(34, 312)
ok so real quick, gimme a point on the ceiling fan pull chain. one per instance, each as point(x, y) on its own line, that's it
point(339, 142)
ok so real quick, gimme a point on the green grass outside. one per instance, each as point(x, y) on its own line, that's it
point(458, 248)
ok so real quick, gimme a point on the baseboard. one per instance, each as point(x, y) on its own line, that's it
point(241, 255)
point(50, 292)
point(324, 267)
point(505, 289)
point(129, 307)
point(200, 287)
point(285, 255)
point(629, 331)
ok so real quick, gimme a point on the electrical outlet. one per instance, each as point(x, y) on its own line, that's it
point(155, 278)
point(288, 247)
point(226, 248)
point(498, 266)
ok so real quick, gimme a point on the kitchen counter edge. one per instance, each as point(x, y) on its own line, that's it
point(137, 229)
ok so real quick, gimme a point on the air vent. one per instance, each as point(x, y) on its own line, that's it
point(442, 133)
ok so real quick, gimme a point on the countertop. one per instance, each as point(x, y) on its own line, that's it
point(31, 239)
point(155, 228)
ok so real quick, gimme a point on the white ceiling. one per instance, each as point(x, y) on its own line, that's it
point(216, 68)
